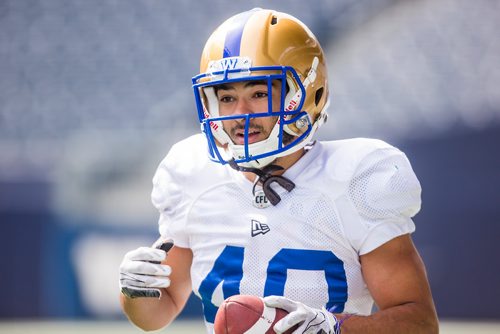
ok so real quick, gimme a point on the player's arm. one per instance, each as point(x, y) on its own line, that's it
point(396, 278)
point(149, 313)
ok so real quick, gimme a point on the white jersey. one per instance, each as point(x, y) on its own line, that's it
point(351, 196)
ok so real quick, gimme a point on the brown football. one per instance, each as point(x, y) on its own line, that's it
point(247, 314)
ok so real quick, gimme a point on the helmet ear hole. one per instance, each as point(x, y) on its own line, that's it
point(318, 96)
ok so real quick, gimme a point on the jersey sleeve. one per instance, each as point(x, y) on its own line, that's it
point(386, 195)
point(171, 201)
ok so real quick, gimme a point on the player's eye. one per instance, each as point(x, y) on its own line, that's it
point(226, 99)
point(260, 94)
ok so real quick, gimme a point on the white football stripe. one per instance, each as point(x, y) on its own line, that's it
point(265, 321)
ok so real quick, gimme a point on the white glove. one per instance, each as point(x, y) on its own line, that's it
point(309, 320)
point(142, 274)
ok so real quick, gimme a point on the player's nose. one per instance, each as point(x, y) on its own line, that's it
point(242, 107)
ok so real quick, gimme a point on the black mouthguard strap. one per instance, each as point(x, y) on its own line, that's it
point(266, 178)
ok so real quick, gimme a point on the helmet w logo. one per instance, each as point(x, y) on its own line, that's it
point(229, 63)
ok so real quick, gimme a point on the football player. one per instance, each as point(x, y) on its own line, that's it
point(254, 205)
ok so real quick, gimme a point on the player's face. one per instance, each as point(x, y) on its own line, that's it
point(248, 97)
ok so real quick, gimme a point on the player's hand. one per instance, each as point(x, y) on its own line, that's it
point(142, 274)
point(309, 320)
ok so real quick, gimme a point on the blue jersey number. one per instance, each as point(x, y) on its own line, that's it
point(228, 270)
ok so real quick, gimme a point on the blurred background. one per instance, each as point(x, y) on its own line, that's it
point(94, 92)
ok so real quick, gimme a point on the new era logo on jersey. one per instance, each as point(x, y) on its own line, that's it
point(259, 228)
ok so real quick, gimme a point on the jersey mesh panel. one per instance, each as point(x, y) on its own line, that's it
point(387, 189)
point(318, 224)
point(323, 216)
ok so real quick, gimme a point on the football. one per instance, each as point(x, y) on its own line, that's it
point(247, 314)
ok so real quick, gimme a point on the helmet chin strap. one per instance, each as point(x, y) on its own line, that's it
point(266, 178)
